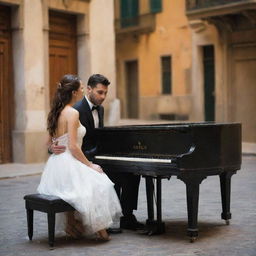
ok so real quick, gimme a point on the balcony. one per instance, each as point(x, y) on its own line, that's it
point(204, 9)
point(141, 24)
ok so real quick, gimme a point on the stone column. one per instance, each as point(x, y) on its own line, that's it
point(29, 135)
point(102, 50)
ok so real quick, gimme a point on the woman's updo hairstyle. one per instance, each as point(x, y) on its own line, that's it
point(62, 97)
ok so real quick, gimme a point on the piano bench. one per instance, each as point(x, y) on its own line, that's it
point(49, 205)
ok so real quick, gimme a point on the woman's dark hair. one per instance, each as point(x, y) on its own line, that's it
point(62, 97)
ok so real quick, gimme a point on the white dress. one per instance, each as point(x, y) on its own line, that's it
point(91, 193)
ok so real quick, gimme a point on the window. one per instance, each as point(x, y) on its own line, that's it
point(166, 64)
point(155, 6)
point(129, 12)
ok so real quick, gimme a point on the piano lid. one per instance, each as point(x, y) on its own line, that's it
point(145, 141)
point(173, 125)
point(195, 145)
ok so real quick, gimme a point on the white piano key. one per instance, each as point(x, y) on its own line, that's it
point(134, 159)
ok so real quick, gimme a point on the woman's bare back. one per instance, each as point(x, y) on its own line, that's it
point(63, 119)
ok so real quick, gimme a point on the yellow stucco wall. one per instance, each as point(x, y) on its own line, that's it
point(171, 36)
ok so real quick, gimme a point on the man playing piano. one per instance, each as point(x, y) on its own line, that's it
point(91, 114)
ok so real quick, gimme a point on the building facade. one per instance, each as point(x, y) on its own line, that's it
point(188, 60)
point(153, 51)
point(223, 63)
point(41, 40)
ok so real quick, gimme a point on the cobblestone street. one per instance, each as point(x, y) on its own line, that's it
point(215, 238)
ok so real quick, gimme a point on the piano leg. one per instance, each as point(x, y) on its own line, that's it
point(225, 186)
point(160, 224)
point(192, 189)
point(150, 199)
point(154, 227)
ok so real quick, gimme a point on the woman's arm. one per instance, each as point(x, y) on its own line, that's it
point(73, 123)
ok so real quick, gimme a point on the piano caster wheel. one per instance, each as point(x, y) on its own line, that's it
point(192, 239)
point(227, 222)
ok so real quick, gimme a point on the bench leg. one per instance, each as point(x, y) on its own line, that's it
point(30, 215)
point(51, 228)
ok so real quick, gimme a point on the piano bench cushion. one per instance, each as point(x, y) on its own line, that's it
point(47, 202)
point(44, 199)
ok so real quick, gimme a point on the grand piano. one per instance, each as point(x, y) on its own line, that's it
point(190, 151)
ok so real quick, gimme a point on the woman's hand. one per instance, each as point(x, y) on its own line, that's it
point(96, 167)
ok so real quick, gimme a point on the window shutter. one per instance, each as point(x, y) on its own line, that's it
point(155, 6)
point(129, 12)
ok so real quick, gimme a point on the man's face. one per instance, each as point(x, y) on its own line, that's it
point(97, 94)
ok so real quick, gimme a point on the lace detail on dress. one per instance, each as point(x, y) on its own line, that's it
point(63, 139)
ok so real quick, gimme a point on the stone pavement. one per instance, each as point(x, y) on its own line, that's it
point(215, 238)
point(18, 170)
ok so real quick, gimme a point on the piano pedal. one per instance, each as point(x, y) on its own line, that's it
point(150, 233)
point(155, 228)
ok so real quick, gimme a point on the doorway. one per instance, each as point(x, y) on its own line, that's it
point(62, 47)
point(209, 82)
point(6, 88)
point(132, 92)
point(243, 90)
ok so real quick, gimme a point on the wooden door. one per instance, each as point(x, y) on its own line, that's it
point(243, 89)
point(132, 90)
point(62, 47)
point(209, 83)
point(6, 89)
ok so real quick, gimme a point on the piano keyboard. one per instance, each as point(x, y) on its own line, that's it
point(134, 159)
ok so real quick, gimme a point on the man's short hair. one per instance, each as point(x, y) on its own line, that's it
point(97, 79)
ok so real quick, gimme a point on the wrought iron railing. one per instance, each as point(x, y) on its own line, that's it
point(199, 4)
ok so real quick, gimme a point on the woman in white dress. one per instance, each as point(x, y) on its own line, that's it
point(70, 175)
